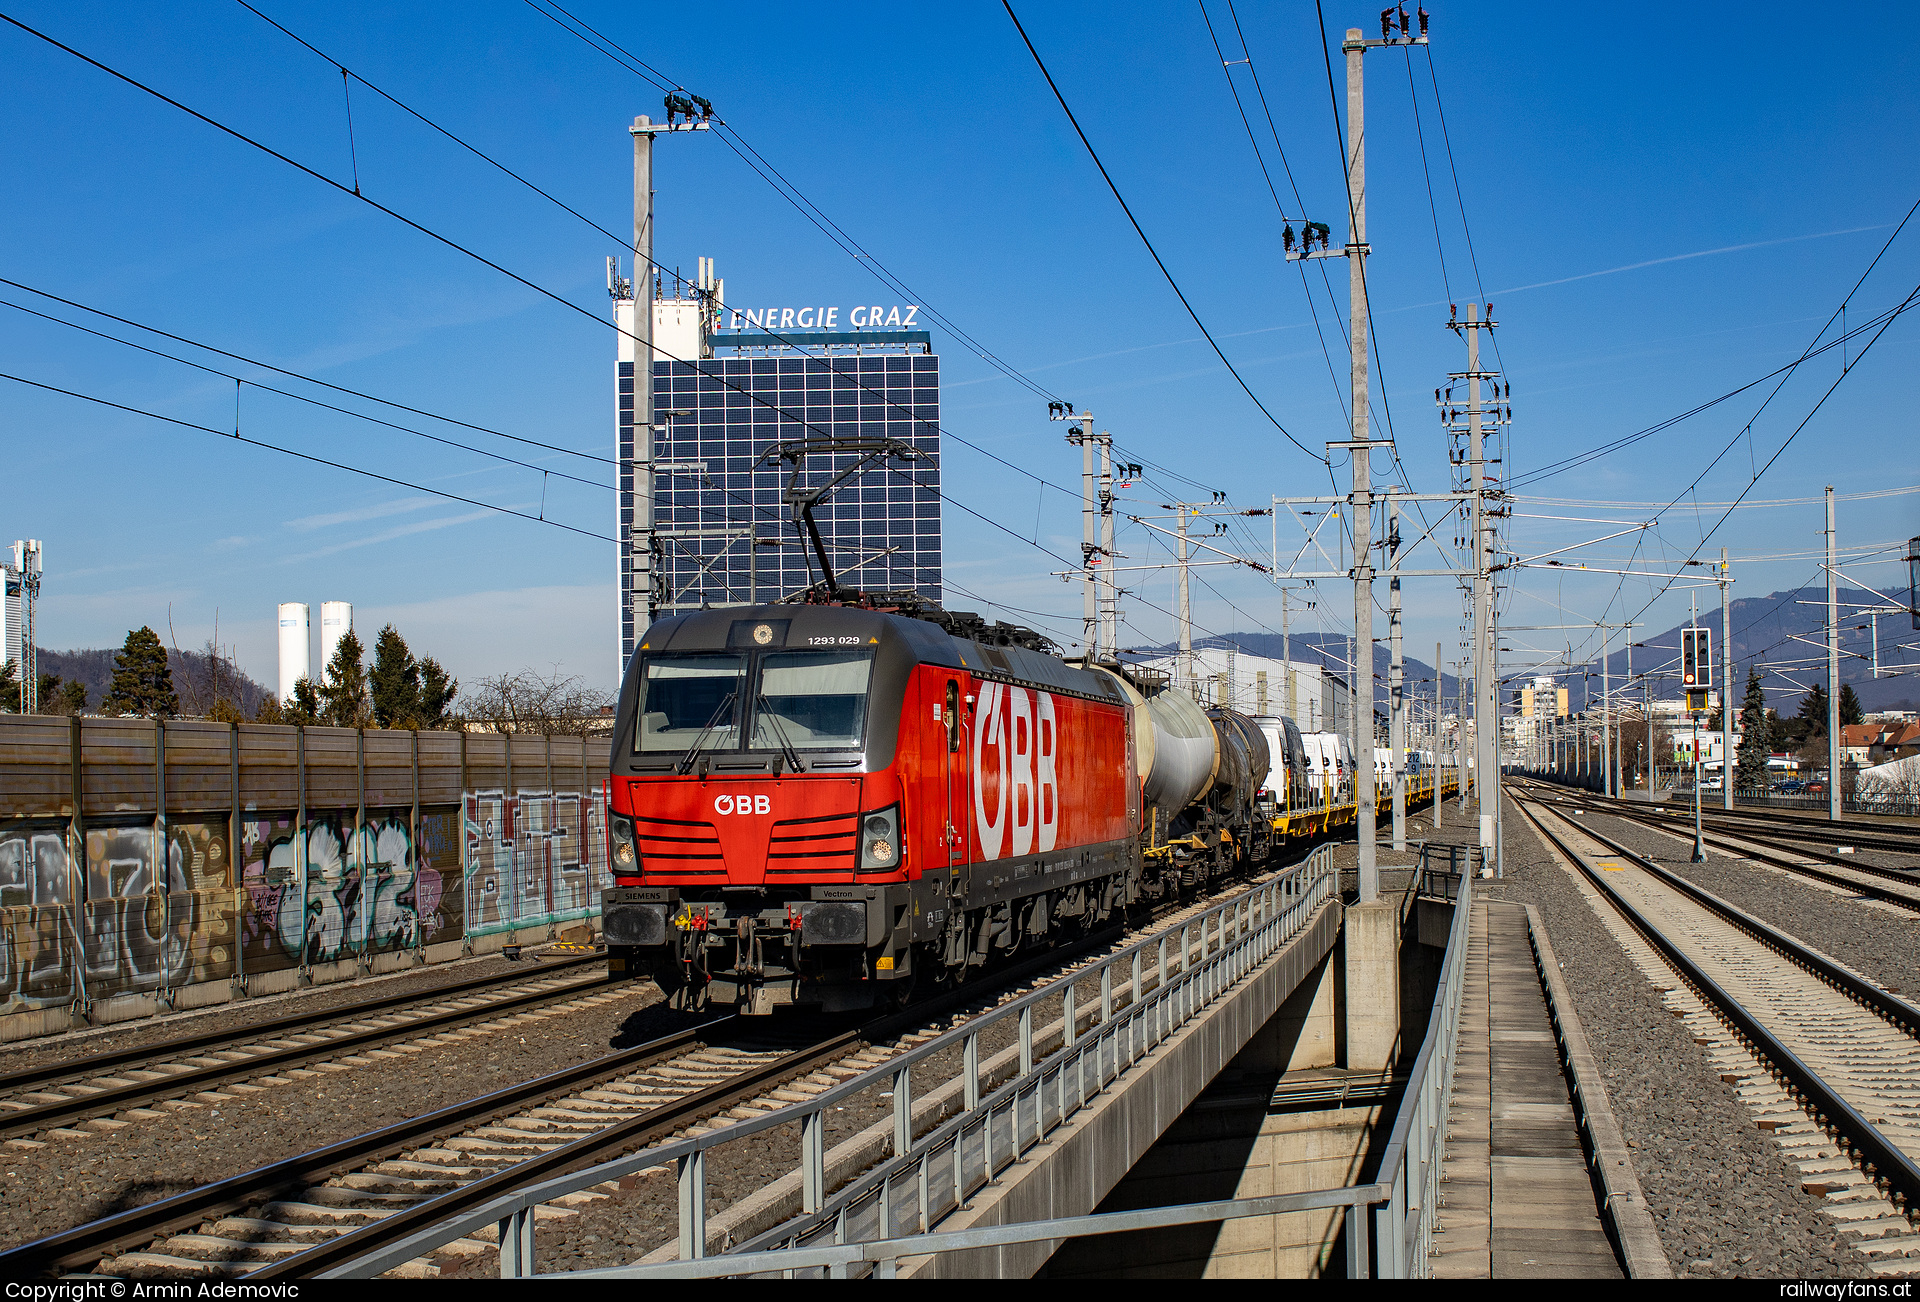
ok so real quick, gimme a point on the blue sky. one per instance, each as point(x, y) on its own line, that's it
point(1659, 213)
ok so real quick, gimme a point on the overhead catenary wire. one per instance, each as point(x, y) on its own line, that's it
point(298, 375)
point(757, 162)
point(315, 174)
point(1141, 232)
point(1884, 321)
point(798, 420)
point(451, 244)
point(415, 225)
point(285, 393)
point(1260, 158)
point(771, 175)
point(306, 456)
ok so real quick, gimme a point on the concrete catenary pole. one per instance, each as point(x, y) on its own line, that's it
point(642, 543)
point(1109, 612)
point(1606, 720)
point(1396, 680)
point(1726, 684)
point(1371, 928)
point(1286, 657)
point(1185, 675)
point(1362, 501)
point(1439, 712)
point(1833, 669)
point(1090, 612)
point(1486, 726)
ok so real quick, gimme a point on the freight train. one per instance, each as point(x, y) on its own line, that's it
point(835, 806)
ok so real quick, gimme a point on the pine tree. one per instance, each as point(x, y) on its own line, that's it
point(395, 681)
point(142, 682)
point(343, 695)
point(408, 693)
point(1813, 710)
point(1850, 711)
point(1778, 734)
point(10, 687)
point(302, 707)
point(1750, 773)
point(437, 690)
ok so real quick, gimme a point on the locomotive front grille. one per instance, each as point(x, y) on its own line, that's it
point(813, 845)
point(677, 846)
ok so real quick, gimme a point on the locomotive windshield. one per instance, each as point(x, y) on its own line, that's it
point(811, 700)
point(691, 701)
point(797, 700)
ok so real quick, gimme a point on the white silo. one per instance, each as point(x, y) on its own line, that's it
point(336, 621)
point(296, 646)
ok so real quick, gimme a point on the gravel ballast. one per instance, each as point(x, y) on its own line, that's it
point(70, 1181)
point(325, 1003)
point(1876, 941)
point(1725, 1199)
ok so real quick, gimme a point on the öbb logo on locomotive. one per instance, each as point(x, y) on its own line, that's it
point(1016, 806)
point(928, 795)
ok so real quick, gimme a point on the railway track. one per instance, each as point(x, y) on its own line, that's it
point(54, 1098)
point(1854, 834)
point(295, 1218)
point(1825, 1060)
point(1887, 885)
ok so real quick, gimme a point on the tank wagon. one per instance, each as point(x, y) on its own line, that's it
point(837, 805)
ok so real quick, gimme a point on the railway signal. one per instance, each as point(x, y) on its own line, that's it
point(1913, 579)
point(1696, 659)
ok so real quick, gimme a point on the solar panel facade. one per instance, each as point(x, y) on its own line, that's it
point(726, 537)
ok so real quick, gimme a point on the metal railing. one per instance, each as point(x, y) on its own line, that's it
point(1389, 1222)
point(1898, 804)
point(1441, 868)
point(1410, 1166)
point(1006, 1104)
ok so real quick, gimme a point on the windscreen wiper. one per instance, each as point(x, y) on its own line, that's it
point(786, 747)
point(686, 760)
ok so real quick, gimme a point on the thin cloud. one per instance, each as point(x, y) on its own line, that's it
point(1123, 352)
point(1684, 257)
point(308, 523)
point(1657, 262)
point(423, 526)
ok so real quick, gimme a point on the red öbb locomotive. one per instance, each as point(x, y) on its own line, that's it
point(829, 805)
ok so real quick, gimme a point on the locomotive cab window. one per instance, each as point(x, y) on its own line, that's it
point(812, 700)
point(689, 701)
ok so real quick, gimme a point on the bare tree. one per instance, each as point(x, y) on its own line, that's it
point(525, 701)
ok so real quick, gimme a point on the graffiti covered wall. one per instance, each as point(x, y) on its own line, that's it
point(119, 902)
point(129, 920)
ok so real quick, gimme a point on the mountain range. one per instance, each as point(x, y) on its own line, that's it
point(1766, 631)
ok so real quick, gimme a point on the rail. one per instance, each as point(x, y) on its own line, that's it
point(81, 1245)
point(105, 1100)
point(1881, 1157)
point(1003, 1105)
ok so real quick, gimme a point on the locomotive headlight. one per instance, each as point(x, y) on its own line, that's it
point(880, 840)
point(625, 854)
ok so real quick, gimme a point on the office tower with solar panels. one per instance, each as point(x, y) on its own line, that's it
point(728, 384)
